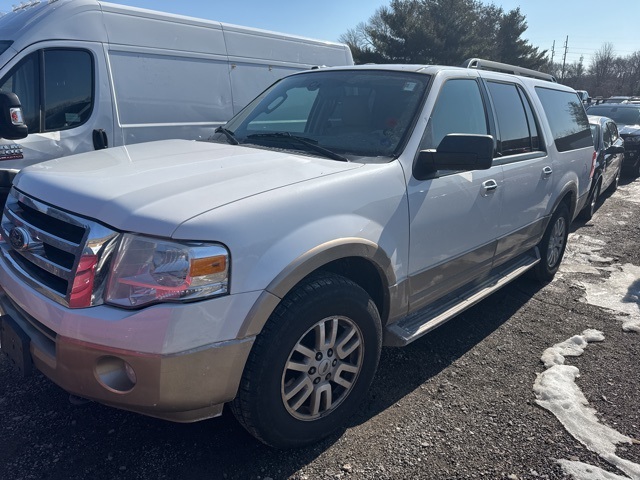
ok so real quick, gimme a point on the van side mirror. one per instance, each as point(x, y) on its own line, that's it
point(456, 152)
point(12, 126)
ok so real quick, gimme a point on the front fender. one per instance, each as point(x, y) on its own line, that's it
point(305, 265)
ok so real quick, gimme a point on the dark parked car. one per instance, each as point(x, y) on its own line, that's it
point(627, 117)
point(609, 148)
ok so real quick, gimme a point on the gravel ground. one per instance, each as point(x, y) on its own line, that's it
point(456, 404)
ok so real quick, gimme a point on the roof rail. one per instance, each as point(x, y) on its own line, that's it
point(481, 64)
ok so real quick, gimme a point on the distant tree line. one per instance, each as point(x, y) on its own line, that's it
point(447, 32)
point(607, 75)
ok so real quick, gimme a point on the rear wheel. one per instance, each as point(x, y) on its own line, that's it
point(312, 364)
point(553, 244)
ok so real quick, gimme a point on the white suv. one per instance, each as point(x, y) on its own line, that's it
point(342, 210)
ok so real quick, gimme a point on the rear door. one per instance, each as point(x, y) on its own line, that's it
point(527, 169)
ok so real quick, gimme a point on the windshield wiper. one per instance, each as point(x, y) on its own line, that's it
point(312, 144)
point(229, 134)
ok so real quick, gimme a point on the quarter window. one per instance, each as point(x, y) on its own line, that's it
point(65, 98)
point(567, 119)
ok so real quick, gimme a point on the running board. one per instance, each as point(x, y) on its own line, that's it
point(423, 321)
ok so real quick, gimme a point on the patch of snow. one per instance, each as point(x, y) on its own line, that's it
point(619, 293)
point(584, 471)
point(556, 391)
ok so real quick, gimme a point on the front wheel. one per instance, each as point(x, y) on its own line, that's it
point(553, 244)
point(311, 365)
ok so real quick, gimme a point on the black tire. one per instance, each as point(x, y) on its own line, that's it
point(329, 325)
point(553, 244)
point(592, 205)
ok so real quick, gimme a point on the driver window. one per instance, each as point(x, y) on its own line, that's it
point(23, 81)
point(458, 109)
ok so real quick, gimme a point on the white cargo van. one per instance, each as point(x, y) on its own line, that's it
point(91, 74)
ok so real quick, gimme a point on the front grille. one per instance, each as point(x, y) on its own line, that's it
point(44, 246)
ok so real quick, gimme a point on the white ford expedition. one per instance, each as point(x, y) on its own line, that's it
point(342, 210)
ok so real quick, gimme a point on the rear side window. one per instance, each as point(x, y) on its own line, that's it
point(567, 119)
point(65, 98)
point(518, 130)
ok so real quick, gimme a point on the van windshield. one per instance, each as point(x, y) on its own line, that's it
point(362, 115)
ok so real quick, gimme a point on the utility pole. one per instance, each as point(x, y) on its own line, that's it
point(564, 57)
point(553, 52)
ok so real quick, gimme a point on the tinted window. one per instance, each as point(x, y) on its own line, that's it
point(459, 109)
point(567, 119)
point(67, 88)
point(66, 98)
point(620, 115)
point(606, 137)
point(23, 81)
point(364, 114)
point(614, 131)
point(513, 120)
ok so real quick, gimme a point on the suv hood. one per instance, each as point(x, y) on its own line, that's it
point(153, 187)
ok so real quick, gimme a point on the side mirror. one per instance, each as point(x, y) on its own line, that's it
point(456, 152)
point(613, 149)
point(12, 125)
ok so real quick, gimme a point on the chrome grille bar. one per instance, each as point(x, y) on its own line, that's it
point(45, 245)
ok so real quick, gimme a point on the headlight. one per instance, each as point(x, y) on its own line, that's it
point(148, 270)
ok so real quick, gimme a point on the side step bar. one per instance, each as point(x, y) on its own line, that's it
point(423, 321)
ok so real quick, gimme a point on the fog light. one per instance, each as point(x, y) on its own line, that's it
point(115, 374)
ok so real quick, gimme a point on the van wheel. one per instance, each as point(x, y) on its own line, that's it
point(589, 209)
point(553, 244)
point(311, 365)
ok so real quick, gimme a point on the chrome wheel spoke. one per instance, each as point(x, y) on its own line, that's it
point(301, 390)
point(321, 400)
point(344, 368)
point(307, 352)
point(297, 366)
point(347, 343)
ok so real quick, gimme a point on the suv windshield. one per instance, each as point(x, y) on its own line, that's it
point(342, 114)
point(622, 115)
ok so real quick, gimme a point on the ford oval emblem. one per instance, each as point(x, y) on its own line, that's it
point(19, 238)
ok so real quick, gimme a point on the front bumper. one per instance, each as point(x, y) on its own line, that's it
point(631, 157)
point(179, 362)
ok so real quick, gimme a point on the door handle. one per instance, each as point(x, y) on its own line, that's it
point(100, 140)
point(546, 171)
point(489, 185)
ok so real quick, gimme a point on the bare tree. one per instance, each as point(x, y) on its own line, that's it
point(602, 67)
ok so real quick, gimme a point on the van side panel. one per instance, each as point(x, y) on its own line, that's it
point(158, 92)
point(164, 32)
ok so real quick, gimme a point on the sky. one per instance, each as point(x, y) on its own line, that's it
point(585, 22)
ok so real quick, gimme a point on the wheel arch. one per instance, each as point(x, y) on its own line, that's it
point(359, 260)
